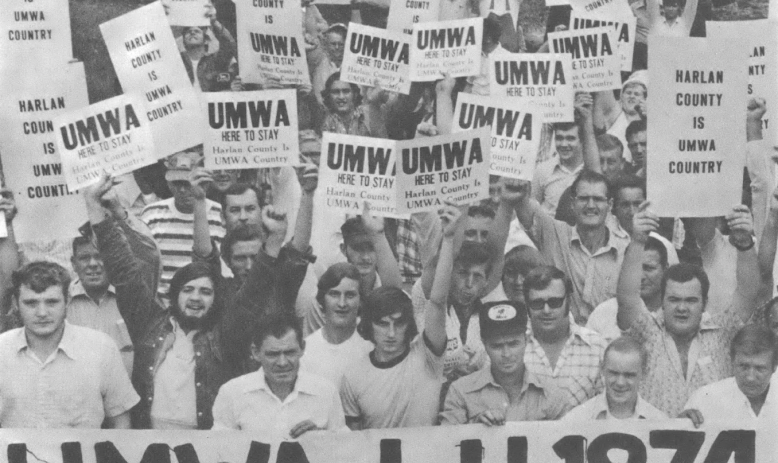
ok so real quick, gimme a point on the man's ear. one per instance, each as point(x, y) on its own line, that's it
point(343, 249)
point(254, 352)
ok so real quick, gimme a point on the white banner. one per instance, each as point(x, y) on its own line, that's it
point(377, 56)
point(596, 63)
point(187, 12)
point(270, 41)
point(515, 133)
point(452, 47)
point(251, 130)
point(109, 136)
point(697, 126)
point(539, 82)
point(39, 29)
point(148, 64)
point(48, 210)
point(624, 26)
point(404, 14)
point(357, 169)
point(452, 167)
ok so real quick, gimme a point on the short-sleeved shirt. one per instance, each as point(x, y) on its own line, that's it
point(78, 386)
point(330, 361)
point(594, 275)
point(724, 401)
point(477, 392)
point(577, 370)
point(246, 403)
point(666, 386)
point(550, 182)
point(596, 408)
point(404, 392)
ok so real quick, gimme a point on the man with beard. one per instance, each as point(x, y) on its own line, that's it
point(186, 353)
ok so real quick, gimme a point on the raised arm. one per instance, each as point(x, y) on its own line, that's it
point(526, 206)
point(308, 176)
point(228, 47)
point(585, 119)
point(498, 234)
point(768, 242)
point(444, 112)
point(606, 108)
point(689, 12)
point(386, 265)
point(628, 287)
point(9, 254)
point(749, 279)
point(203, 247)
point(435, 318)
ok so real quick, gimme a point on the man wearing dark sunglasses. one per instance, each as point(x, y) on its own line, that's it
point(558, 350)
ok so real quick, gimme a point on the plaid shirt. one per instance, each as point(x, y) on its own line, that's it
point(577, 370)
point(408, 254)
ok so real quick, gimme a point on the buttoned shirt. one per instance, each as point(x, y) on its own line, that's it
point(666, 386)
point(80, 384)
point(723, 401)
point(175, 399)
point(594, 275)
point(478, 392)
point(550, 182)
point(596, 408)
point(246, 403)
point(103, 316)
point(577, 370)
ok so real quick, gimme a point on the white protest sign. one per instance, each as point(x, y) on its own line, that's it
point(357, 169)
point(604, 8)
point(596, 63)
point(187, 12)
point(452, 167)
point(250, 130)
point(377, 55)
point(270, 41)
point(758, 39)
point(538, 82)
point(595, 441)
point(515, 133)
point(109, 136)
point(28, 146)
point(697, 126)
point(148, 63)
point(39, 30)
point(624, 26)
point(333, 2)
point(452, 47)
point(404, 14)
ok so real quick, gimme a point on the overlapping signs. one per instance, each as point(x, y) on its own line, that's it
point(377, 57)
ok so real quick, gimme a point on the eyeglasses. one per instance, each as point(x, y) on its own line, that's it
point(553, 302)
point(596, 199)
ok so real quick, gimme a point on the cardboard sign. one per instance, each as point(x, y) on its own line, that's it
point(604, 8)
point(697, 126)
point(452, 47)
point(539, 83)
point(404, 14)
point(48, 210)
point(357, 169)
point(758, 39)
point(636, 441)
point(187, 12)
point(453, 167)
point(375, 55)
point(148, 64)
point(270, 41)
point(623, 25)
point(109, 136)
point(596, 63)
point(39, 29)
point(515, 133)
point(250, 130)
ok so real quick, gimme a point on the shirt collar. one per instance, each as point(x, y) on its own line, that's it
point(558, 165)
point(303, 384)
point(601, 411)
point(68, 343)
point(77, 289)
point(610, 245)
point(484, 377)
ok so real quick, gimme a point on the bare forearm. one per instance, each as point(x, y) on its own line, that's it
point(628, 286)
point(202, 234)
point(302, 226)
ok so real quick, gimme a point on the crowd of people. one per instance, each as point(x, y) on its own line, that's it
point(238, 300)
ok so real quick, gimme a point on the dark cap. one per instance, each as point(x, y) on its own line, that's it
point(502, 317)
point(355, 235)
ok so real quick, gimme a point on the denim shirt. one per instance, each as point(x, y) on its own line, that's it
point(272, 285)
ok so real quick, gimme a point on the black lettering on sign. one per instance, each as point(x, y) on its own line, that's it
point(239, 115)
point(687, 444)
point(275, 45)
point(374, 47)
point(517, 449)
point(430, 158)
point(471, 451)
point(352, 159)
point(85, 132)
point(598, 450)
point(528, 73)
point(741, 443)
point(584, 46)
point(391, 451)
point(445, 38)
point(475, 116)
point(571, 448)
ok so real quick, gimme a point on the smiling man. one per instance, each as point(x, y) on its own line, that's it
point(556, 175)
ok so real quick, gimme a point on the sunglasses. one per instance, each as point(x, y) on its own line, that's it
point(539, 304)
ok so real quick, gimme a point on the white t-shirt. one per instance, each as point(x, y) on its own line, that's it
point(723, 401)
point(330, 361)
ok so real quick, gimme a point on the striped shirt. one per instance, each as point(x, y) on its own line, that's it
point(174, 233)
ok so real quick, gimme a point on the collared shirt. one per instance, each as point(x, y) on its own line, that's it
point(594, 276)
point(596, 408)
point(175, 396)
point(666, 386)
point(103, 316)
point(246, 403)
point(577, 370)
point(477, 392)
point(550, 182)
point(724, 401)
point(81, 383)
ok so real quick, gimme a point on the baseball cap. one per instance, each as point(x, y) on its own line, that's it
point(180, 164)
point(355, 235)
point(502, 317)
